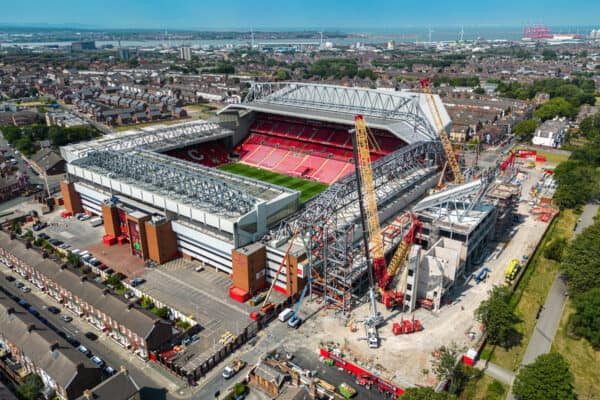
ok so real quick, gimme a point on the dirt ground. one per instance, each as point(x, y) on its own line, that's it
point(406, 359)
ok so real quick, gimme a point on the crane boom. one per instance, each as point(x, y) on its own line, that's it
point(284, 260)
point(441, 131)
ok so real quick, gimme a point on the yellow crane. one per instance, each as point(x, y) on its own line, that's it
point(382, 277)
point(441, 131)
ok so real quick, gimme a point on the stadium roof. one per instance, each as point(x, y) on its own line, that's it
point(179, 181)
point(156, 138)
point(405, 114)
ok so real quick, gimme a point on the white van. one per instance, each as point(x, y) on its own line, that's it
point(285, 314)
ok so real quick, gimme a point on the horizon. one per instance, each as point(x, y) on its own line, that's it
point(268, 15)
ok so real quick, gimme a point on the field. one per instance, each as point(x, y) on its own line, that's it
point(532, 292)
point(308, 189)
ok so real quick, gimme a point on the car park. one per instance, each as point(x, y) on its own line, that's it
point(54, 310)
point(91, 335)
point(66, 318)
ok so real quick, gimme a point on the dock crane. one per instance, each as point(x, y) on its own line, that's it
point(441, 131)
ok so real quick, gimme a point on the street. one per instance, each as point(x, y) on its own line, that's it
point(150, 389)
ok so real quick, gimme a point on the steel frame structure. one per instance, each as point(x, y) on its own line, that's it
point(326, 228)
point(158, 138)
point(179, 181)
point(390, 106)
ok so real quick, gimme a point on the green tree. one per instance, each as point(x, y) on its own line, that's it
point(581, 262)
point(548, 378)
point(239, 389)
point(162, 312)
point(479, 90)
point(425, 393)
point(447, 367)
point(577, 182)
point(556, 107)
point(586, 320)
point(74, 259)
point(525, 129)
point(555, 249)
point(497, 316)
point(31, 387)
point(282, 75)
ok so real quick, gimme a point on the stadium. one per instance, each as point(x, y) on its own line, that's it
point(274, 172)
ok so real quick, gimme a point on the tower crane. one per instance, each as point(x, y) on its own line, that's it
point(441, 131)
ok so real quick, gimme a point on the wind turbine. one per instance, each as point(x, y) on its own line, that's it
point(461, 34)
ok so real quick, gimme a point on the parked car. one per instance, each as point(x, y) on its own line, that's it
point(103, 267)
point(91, 335)
point(25, 289)
point(44, 236)
point(84, 217)
point(72, 341)
point(84, 350)
point(19, 284)
point(109, 271)
point(137, 281)
point(98, 361)
point(66, 318)
point(109, 371)
point(54, 310)
point(129, 294)
point(10, 278)
point(39, 226)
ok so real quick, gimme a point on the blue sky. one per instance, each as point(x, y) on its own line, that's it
point(350, 15)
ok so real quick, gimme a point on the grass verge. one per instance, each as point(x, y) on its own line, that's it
point(582, 358)
point(532, 292)
point(484, 388)
point(308, 189)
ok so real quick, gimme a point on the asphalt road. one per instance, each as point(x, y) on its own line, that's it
point(149, 388)
point(587, 217)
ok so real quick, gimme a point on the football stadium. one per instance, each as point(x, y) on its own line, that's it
point(236, 192)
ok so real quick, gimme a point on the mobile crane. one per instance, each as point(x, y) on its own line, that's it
point(379, 276)
point(441, 131)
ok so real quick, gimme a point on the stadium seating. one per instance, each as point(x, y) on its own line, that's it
point(314, 150)
point(211, 154)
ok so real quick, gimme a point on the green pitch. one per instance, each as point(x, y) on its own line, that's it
point(308, 189)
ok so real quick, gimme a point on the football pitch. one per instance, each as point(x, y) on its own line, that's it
point(308, 189)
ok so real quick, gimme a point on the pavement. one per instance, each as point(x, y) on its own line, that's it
point(495, 371)
point(587, 217)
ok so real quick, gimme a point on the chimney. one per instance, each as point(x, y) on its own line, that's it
point(53, 346)
point(87, 393)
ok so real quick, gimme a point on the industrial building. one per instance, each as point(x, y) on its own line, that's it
point(159, 192)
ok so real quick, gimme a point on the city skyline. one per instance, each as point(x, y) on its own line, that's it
point(351, 16)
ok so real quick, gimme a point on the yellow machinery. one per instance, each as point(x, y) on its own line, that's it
point(439, 126)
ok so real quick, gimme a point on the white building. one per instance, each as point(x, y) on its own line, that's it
point(551, 133)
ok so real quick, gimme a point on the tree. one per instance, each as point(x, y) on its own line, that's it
point(525, 129)
point(162, 312)
point(447, 367)
point(555, 249)
point(282, 75)
point(497, 316)
point(577, 182)
point(581, 263)
point(556, 107)
point(586, 320)
point(31, 387)
point(74, 259)
point(479, 90)
point(425, 393)
point(548, 378)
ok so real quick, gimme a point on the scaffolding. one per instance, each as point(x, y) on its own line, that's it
point(327, 225)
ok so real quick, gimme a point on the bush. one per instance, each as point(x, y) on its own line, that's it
point(183, 325)
point(486, 354)
point(586, 320)
point(162, 312)
point(146, 302)
point(555, 249)
point(495, 390)
point(239, 389)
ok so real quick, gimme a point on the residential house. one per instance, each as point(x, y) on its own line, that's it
point(551, 133)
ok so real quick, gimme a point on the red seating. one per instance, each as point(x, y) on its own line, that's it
point(211, 154)
point(314, 150)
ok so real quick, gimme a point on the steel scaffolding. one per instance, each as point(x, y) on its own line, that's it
point(327, 223)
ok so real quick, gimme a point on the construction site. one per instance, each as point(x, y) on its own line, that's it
point(378, 271)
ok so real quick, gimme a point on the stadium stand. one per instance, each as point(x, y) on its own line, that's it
point(308, 149)
point(210, 154)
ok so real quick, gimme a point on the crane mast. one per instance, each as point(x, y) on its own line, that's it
point(373, 242)
point(441, 131)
